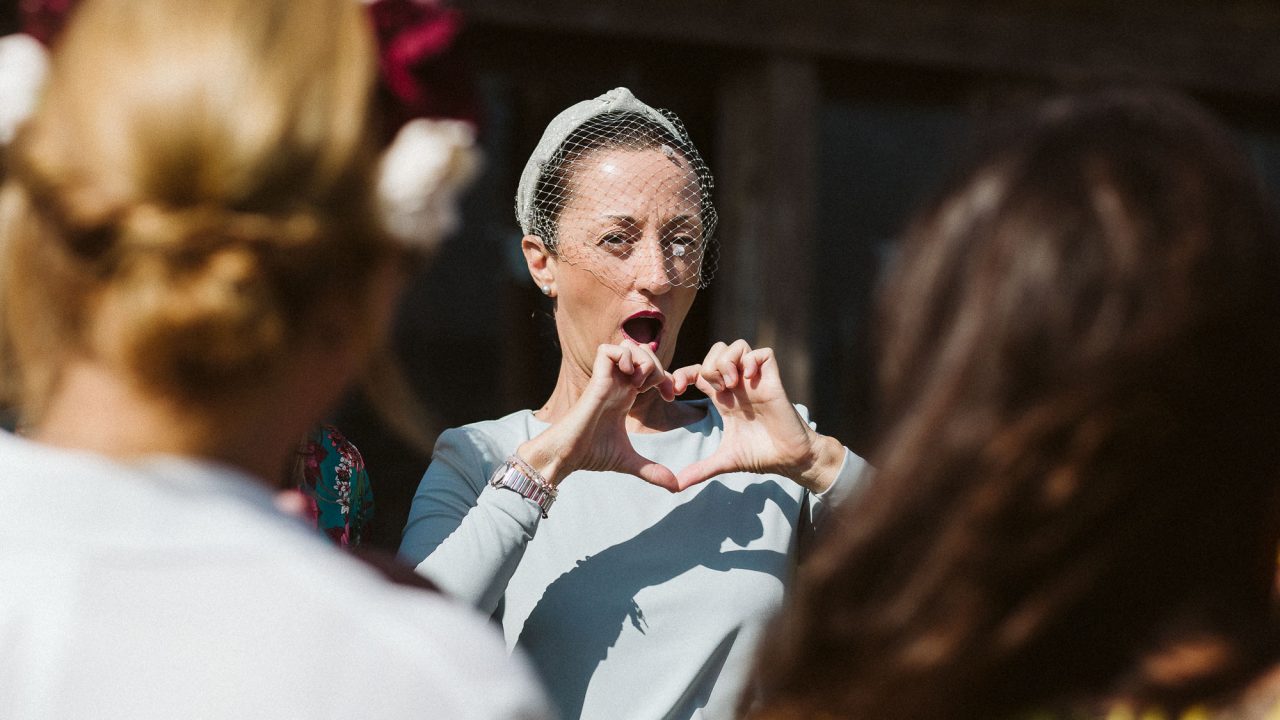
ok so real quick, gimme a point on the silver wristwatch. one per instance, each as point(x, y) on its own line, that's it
point(516, 475)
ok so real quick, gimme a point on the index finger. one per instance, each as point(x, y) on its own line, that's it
point(681, 379)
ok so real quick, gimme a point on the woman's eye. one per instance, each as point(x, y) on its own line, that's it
point(615, 242)
point(681, 244)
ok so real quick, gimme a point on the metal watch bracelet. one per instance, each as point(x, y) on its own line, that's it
point(517, 476)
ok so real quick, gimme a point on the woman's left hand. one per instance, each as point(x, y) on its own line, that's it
point(763, 433)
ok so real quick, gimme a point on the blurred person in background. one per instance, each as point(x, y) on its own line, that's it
point(193, 267)
point(423, 103)
point(1075, 510)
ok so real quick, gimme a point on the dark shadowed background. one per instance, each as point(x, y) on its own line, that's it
point(825, 124)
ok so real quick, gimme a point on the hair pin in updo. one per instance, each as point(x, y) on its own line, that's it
point(428, 165)
point(23, 66)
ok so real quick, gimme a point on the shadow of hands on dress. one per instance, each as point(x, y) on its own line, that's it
point(584, 611)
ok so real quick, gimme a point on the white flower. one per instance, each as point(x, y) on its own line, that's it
point(423, 172)
point(23, 65)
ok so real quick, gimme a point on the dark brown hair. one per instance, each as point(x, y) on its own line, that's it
point(1077, 476)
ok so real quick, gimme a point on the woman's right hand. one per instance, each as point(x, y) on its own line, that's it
point(593, 434)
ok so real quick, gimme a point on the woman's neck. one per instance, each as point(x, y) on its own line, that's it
point(649, 414)
point(96, 410)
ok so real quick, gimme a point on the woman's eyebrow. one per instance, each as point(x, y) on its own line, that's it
point(679, 221)
point(671, 220)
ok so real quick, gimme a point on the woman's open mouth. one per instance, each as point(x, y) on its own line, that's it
point(644, 328)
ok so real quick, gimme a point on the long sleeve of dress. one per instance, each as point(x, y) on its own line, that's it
point(463, 534)
point(854, 475)
point(469, 538)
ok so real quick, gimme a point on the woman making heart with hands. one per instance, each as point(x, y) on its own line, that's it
point(763, 431)
point(632, 544)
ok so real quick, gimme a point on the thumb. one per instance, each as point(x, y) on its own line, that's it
point(705, 469)
point(651, 472)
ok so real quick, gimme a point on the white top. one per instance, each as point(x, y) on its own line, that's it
point(173, 589)
point(632, 602)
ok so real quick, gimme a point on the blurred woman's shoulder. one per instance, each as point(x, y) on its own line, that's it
point(1258, 700)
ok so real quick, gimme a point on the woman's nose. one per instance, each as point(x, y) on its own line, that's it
point(652, 269)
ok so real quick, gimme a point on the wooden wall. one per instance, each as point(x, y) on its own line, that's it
point(768, 90)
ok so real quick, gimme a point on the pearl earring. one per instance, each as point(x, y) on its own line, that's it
point(546, 290)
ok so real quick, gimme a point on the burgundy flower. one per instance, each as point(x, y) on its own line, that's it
point(420, 74)
point(350, 458)
point(421, 77)
point(45, 19)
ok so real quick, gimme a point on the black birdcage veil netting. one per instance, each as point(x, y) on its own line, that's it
point(629, 200)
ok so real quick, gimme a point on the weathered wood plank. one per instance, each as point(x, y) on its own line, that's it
point(1227, 46)
point(766, 142)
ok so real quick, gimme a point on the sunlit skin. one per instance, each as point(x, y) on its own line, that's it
point(610, 264)
point(615, 257)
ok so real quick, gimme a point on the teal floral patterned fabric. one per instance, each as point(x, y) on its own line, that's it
point(336, 486)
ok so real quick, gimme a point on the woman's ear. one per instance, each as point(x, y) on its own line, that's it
point(541, 263)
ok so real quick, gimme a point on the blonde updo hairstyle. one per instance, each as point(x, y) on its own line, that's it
point(196, 179)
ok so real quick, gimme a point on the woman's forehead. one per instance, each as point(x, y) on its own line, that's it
point(633, 183)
